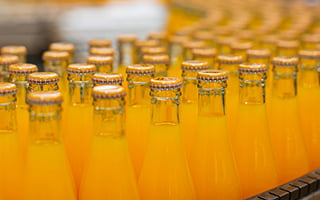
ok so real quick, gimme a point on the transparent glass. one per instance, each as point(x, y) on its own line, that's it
point(105, 68)
point(4, 74)
point(176, 58)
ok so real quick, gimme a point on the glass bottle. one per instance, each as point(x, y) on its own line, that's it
point(104, 52)
point(47, 174)
point(20, 51)
point(99, 43)
point(241, 48)
point(251, 140)
point(285, 125)
point(5, 62)
point(310, 41)
point(212, 162)
point(287, 48)
point(153, 51)
point(165, 172)
point(176, 54)
point(161, 36)
point(110, 78)
point(104, 64)
point(206, 55)
point(11, 161)
point(63, 47)
point(160, 63)
point(109, 173)
point(43, 81)
point(269, 42)
point(223, 44)
point(188, 46)
point(126, 51)
point(139, 44)
point(138, 112)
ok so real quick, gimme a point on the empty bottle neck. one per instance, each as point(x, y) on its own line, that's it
point(175, 51)
point(252, 88)
point(7, 113)
point(57, 66)
point(105, 68)
point(43, 87)
point(126, 53)
point(80, 87)
point(309, 73)
point(190, 89)
point(20, 80)
point(138, 89)
point(284, 81)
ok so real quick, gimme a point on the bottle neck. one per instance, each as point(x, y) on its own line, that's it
point(138, 90)
point(165, 106)
point(127, 53)
point(309, 73)
point(4, 74)
point(284, 81)
point(190, 89)
point(7, 113)
point(287, 52)
point(59, 66)
point(161, 69)
point(105, 68)
point(20, 80)
point(175, 51)
point(80, 87)
point(109, 117)
point(252, 88)
point(45, 124)
point(43, 87)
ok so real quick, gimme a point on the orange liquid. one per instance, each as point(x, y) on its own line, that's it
point(232, 100)
point(189, 113)
point(23, 127)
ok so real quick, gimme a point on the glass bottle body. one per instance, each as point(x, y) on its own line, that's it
point(176, 58)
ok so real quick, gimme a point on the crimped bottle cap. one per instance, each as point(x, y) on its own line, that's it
point(100, 43)
point(8, 60)
point(157, 35)
point(311, 38)
point(153, 50)
point(108, 92)
point(269, 39)
point(288, 44)
point(156, 59)
point(102, 51)
point(230, 59)
point(147, 43)
point(252, 68)
point(206, 52)
point(7, 88)
point(43, 78)
point(127, 38)
point(165, 83)
point(309, 54)
point(100, 60)
point(140, 69)
point(241, 45)
point(285, 61)
point(258, 53)
point(178, 39)
point(81, 68)
point(56, 55)
point(204, 35)
point(194, 44)
point(44, 98)
point(194, 65)
point(107, 78)
point(22, 68)
point(14, 50)
point(212, 75)
point(225, 40)
point(62, 46)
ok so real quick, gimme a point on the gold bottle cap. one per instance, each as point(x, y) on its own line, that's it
point(157, 35)
point(156, 59)
point(8, 60)
point(204, 53)
point(153, 50)
point(100, 43)
point(108, 92)
point(230, 59)
point(186, 31)
point(225, 40)
point(127, 38)
point(165, 83)
point(22, 68)
point(194, 44)
point(288, 44)
point(140, 69)
point(285, 61)
point(43, 78)
point(55, 55)
point(44, 98)
point(7, 88)
point(252, 68)
point(61, 46)
point(147, 43)
point(311, 38)
point(102, 51)
point(241, 46)
point(81, 68)
point(269, 39)
point(204, 35)
point(14, 50)
point(194, 65)
point(107, 78)
point(100, 60)
point(212, 75)
point(178, 39)
point(223, 30)
point(309, 54)
point(258, 53)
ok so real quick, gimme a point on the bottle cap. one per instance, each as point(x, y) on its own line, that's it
point(22, 68)
point(204, 35)
point(288, 44)
point(8, 60)
point(107, 78)
point(204, 53)
point(61, 46)
point(147, 43)
point(153, 50)
point(225, 40)
point(178, 39)
point(311, 38)
point(55, 55)
point(100, 60)
point(194, 65)
point(309, 54)
point(186, 31)
point(44, 98)
point(43, 78)
point(165, 83)
point(159, 35)
point(102, 51)
point(156, 59)
point(252, 68)
point(258, 53)
point(140, 69)
point(230, 59)
point(81, 68)
point(193, 44)
point(108, 92)
point(100, 43)
point(212, 75)
point(7, 88)
point(269, 39)
point(127, 38)
point(285, 61)
point(14, 50)
point(241, 46)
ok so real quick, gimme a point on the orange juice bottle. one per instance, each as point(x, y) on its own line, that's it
point(285, 125)
point(99, 43)
point(165, 172)
point(188, 46)
point(161, 36)
point(160, 63)
point(20, 51)
point(108, 173)
point(308, 97)
point(18, 76)
point(176, 54)
point(212, 163)
point(5, 62)
point(11, 161)
point(110, 78)
point(78, 123)
point(240, 48)
point(127, 52)
point(63, 47)
point(251, 141)
point(206, 55)
point(104, 52)
point(104, 64)
point(139, 44)
point(138, 112)
point(310, 41)
point(287, 48)
point(189, 103)
point(48, 174)
point(43, 81)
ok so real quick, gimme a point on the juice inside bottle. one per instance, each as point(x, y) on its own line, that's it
point(160, 63)
point(251, 141)
point(206, 55)
point(212, 162)
point(108, 173)
point(165, 173)
point(104, 64)
point(20, 51)
point(47, 175)
point(127, 52)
